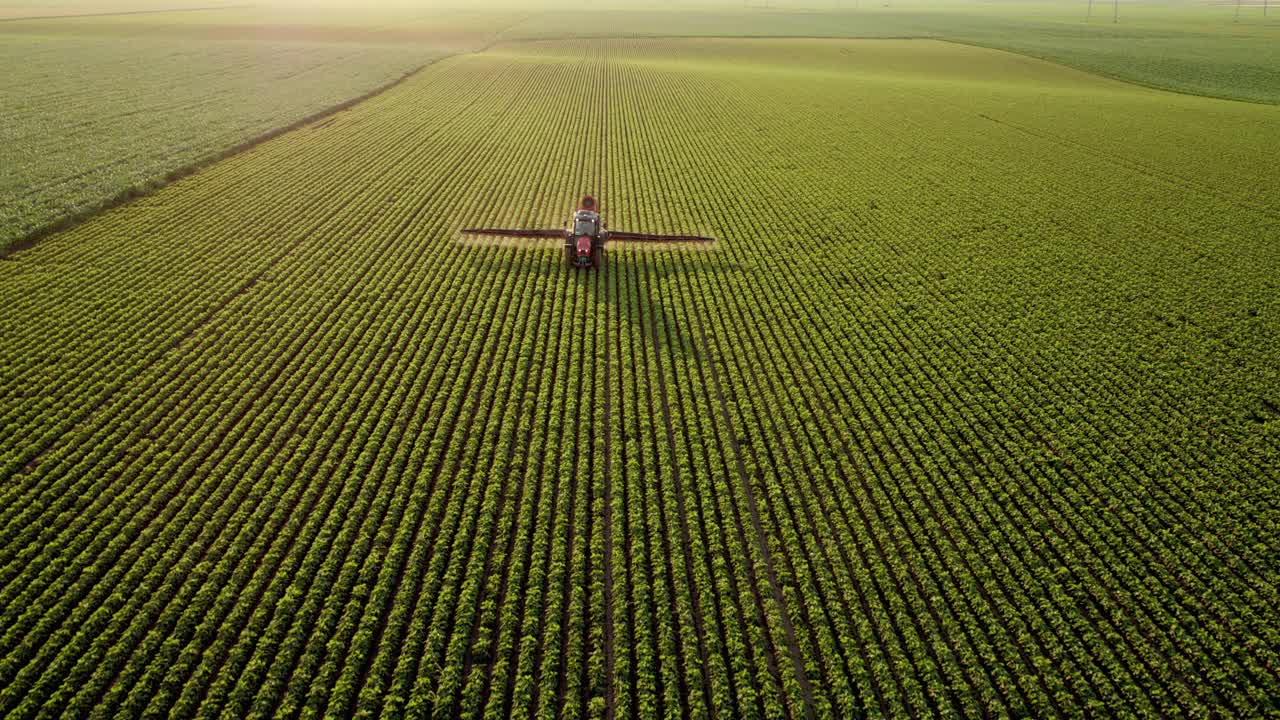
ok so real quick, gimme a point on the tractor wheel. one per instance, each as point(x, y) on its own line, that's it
point(597, 257)
point(568, 255)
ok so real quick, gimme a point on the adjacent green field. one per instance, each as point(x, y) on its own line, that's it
point(1189, 47)
point(971, 411)
point(100, 106)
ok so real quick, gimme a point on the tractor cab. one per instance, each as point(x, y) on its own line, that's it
point(586, 222)
point(583, 243)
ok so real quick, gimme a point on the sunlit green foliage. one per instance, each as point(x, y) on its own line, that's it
point(971, 410)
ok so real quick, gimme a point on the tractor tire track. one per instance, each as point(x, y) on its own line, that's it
point(761, 542)
point(664, 404)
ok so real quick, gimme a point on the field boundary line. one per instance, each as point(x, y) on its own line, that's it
point(939, 38)
point(157, 11)
point(146, 188)
point(1104, 74)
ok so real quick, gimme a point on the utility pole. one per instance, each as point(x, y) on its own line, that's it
point(1237, 17)
point(1089, 15)
point(1115, 17)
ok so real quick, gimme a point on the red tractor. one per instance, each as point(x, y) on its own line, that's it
point(586, 236)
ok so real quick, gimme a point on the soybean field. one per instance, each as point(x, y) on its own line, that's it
point(972, 410)
point(97, 110)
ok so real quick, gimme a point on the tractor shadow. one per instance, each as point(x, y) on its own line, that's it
point(653, 292)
